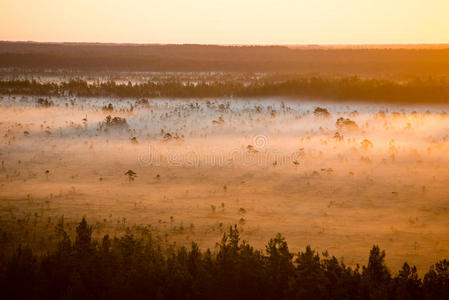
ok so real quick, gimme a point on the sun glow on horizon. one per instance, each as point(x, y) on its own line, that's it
point(226, 22)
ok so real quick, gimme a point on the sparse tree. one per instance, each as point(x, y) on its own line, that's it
point(131, 175)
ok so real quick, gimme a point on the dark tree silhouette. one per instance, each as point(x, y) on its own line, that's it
point(376, 276)
point(131, 175)
point(147, 268)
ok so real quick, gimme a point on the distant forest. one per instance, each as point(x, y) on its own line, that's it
point(353, 88)
point(210, 58)
point(140, 265)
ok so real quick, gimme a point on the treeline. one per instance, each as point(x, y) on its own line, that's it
point(130, 267)
point(338, 88)
point(212, 58)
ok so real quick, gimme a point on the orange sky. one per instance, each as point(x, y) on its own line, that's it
point(226, 21)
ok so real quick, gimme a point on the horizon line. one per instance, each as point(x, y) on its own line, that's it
point(290, 45)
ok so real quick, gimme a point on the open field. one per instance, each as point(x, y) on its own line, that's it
point(377, 176)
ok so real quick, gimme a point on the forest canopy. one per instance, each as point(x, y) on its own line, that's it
point(214, 58)
point(429, 90)
point(141, 266)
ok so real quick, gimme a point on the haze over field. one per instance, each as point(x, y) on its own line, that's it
point(235, 149)
point(266, 164)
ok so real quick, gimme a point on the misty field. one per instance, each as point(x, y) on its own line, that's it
point(337, 176)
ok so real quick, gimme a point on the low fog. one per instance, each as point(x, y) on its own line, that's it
point(340, 177)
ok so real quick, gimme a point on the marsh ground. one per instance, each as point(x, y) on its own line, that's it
point(270, 165)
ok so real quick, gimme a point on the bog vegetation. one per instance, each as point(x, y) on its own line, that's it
point(338, 176)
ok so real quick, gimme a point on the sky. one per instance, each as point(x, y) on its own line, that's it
point(226, 21)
